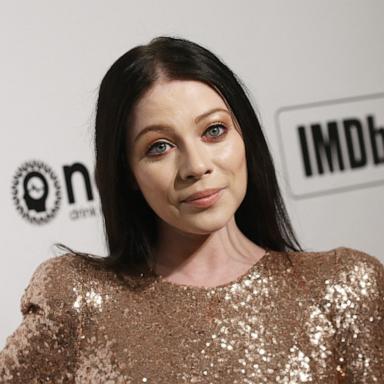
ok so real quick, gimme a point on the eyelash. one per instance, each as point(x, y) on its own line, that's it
point(225, 129)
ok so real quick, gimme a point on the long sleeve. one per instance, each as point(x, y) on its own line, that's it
point(43, 348)
point(358, 297)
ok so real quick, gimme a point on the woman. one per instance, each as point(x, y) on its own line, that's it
point(205, 281)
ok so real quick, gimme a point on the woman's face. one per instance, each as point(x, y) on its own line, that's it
point(182, 140)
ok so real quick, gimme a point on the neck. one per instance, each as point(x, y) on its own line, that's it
point(221, 255)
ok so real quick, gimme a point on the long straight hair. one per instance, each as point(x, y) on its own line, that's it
point(130, 224)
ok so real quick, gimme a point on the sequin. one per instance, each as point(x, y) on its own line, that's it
point(317, 320)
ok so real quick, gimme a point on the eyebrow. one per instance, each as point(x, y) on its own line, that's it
point(165, 128)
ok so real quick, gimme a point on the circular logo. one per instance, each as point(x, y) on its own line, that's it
point(36, 192)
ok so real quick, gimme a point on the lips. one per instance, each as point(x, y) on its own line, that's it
point(201, 194)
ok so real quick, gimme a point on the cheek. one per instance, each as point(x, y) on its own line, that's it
point(234, 156)
point(242, 171)
point(152, 181)
point(235, 162)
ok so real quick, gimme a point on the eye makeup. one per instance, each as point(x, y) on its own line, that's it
point(222, 132)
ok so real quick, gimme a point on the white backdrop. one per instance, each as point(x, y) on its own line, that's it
point(303, 63)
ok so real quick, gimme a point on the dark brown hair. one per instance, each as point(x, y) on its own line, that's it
point(130, 224)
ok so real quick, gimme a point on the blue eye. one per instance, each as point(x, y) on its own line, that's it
point(217, 129)
point(159, 144)
point(214, 128)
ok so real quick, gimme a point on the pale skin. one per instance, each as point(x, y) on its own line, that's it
point(201, 147)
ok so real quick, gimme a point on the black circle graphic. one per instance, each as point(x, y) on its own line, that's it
point(36, 192)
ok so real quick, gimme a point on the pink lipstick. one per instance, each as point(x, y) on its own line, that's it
point(206, 199)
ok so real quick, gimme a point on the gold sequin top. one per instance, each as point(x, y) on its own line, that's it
point(318, 319)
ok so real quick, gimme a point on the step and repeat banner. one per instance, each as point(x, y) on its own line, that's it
point(313, 70)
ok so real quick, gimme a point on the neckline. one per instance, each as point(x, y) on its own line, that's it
point(258, 264)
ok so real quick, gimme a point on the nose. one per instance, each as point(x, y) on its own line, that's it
point(194, 161)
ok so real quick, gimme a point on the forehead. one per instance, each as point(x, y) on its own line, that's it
point(175, 99)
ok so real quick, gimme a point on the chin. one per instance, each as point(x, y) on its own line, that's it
point(205, 226)
point(200, 223)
